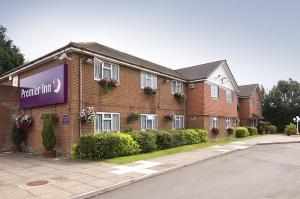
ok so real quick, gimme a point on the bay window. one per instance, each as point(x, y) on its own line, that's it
point(178, 122)
point(148, 80)
point(106, 122)
point(105, 70)
point(148, 122)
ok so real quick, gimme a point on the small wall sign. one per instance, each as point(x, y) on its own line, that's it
point(66, 119)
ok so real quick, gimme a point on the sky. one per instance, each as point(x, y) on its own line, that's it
point(259, 39)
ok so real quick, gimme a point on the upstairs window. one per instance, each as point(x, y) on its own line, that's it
point(148, 122)
point(148, 80)
point(214, 91)
point(229, 95)
point(177, 87)
point(178, 122)
point(107, 122)
point(213, 122)
point(258, 104)
point(105, 70)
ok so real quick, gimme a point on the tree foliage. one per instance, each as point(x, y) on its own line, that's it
point(10, 55)
point(282, 103)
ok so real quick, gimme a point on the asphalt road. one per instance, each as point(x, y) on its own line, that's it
point(269, 171)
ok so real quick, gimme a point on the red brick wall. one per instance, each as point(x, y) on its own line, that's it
point(248, 107)
point(200, 106)
point(9, 104)
point(129, 97)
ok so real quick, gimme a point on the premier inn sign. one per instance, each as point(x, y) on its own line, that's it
point(45, 88)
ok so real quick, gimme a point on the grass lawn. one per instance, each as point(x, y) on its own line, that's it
point(144, 156)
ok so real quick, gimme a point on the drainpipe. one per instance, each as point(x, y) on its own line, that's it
point(80, 91)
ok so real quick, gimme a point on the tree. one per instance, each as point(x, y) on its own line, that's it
point(10, 55)
point(282, 103)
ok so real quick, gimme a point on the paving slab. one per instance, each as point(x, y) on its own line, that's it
point(83, 179)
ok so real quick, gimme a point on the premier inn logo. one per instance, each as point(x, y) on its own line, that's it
point(55, 87)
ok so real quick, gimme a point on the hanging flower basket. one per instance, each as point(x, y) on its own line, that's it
point(87, 115)
point(180, 97)
point(132, 117)
point(108, 84)
point(169, 117)
point(24, 121)
point(149, 91)
point(53, 116)
point(215, 131)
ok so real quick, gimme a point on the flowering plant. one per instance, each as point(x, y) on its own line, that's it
point(169, 116)
point(23, 121)
point(87, 115)
point(108, 84)
point(180, 97)
point(149, 91)
point(230, 130)
point(215, 131)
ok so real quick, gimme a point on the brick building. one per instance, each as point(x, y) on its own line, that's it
point(210, 90)
point(250, 108)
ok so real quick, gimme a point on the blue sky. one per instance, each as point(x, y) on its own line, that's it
point(259, 39)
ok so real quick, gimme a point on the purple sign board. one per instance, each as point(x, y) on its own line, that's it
point(45, 88)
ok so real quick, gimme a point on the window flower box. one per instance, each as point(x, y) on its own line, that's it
point(87, 115)
point(180, 97)
point(108, 84)
point(149, 91)
point(24, 121)
point(169, 117)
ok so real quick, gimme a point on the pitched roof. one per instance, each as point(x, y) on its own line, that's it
point(247, 90)
point(112, 53)
point(199, 71)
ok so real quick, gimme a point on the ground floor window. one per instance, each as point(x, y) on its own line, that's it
point(178, 122)
point(148, 122)
point(229, 122)
point(107, 122)
point(213, 122)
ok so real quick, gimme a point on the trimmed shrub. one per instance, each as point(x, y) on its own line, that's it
point(146, 140)
point(164, 140)
point(273, 129)
point(48, 135)
point(290, 129)
point(203, 134)
point(104, 145)
point(192, 137)
point(241, 132)
point(179, 137)
point(267, 128)
point(252, 130)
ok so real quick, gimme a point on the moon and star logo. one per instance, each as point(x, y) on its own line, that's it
point(56, 85)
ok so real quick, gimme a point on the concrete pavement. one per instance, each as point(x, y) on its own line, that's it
point(82, 179)
point(263, 171)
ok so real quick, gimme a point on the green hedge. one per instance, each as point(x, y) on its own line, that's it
point(109, 145)
point(252, 130)
point(290, 129)
point(104, 145)
point(241, 132)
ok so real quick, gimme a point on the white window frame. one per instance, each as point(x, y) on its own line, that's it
point(214, 88)
point(258, 104)
point(102, 121)
point(229, 96)
point(177, 118)
point(112, 65)
point(15, 81)
point(150, 115)
point(229, 122)
point(148, 76)
point(177, 84)
point(212, 124)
